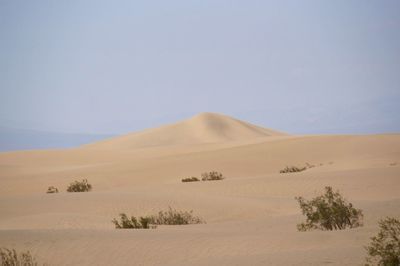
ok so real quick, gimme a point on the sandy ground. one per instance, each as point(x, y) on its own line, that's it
point(251, 215)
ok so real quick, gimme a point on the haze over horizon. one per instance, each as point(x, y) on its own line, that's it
point(113, 68)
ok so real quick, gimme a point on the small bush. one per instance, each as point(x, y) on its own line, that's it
point(212, 176)
point(131, 223)
point(10, 257)
point(80, 186)
point(170, 217)
point(329, 212)
point(52, 189)
point(292, 169)
point(174, 217)
point(190, 179)
point(384, 250)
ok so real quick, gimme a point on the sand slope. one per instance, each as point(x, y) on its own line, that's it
point(202, 128)
point(251, 216)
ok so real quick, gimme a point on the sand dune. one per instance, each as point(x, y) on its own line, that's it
point(202, 128)
point(251, 216)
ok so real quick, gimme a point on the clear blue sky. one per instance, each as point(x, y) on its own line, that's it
point(120, 66)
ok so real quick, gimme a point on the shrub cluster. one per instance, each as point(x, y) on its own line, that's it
point(292, 169)
point(132, 223)
point(175, 217)
point(385, 247)
point(211, 176)
point(329, 211)
point(190, 179)
point(79, 186)
point(10, 257)
point(169, 217)
point(52, 189)
point(207, 176)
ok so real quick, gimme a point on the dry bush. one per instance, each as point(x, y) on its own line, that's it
point(292, 169)
point(80, 186)
point(131, 223)
point(211, 176)
point(10, 257)
point(190, 179)
point(384, 249)
point(329, 211)
point(169, 217)
point(175, 217)
point(52, 189)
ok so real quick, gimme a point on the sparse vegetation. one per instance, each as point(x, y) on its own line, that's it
point(292, 169)
point(80, 186)
point(52, 189)
point(131, 223)
point(175, 217)
point(10, 257)
point(384, 250)
point(329, 211)
point(295, 169)
point(211, 176)
point(207, 176)
point(190, 179)
point(169, 217)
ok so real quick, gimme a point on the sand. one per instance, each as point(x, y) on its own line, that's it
point(251, 215)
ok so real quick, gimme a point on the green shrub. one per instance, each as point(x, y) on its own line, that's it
point(131, 223)
point(80, 186)
point(52, 189)
point(174, 217)
point(292, 169)
point(190, 179)
point(329, 211)
point(384, 250)
point(213, 175)
point(10, 257)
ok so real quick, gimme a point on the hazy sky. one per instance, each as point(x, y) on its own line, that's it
point(120, 66)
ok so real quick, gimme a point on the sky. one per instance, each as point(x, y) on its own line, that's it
point(112, 67)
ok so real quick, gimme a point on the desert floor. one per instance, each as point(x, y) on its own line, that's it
point(250, 216)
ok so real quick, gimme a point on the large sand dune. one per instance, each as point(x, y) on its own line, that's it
point(202, 128)
point(251, 215)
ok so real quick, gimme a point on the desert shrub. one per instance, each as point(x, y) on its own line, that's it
point(175, 217)
point(169, 217)
point(10, 257)
point(52, 189)
point(292, 169)
point(384, 249)
point(190, 179)
point(213, 175)
point(80, 186)
point(329, 211)
point(131, 223)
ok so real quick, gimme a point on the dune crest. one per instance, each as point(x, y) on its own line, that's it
point(202, 128)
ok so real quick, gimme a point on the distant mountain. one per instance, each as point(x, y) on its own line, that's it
point(25, 139)
point(202, 128)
